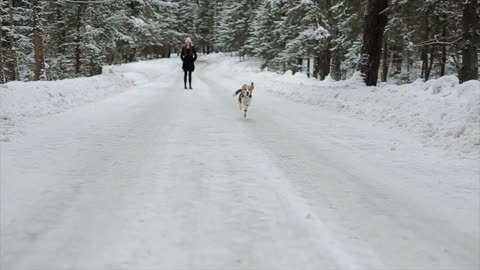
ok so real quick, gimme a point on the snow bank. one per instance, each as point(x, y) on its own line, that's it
point(150, 71)
point(441, 112)
point(23, 100)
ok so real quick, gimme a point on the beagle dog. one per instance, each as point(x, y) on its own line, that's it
point(244, 97)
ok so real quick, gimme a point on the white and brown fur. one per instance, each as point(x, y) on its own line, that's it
point(244, 97)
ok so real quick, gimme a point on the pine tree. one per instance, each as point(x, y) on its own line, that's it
point(186, 20)
point(266, 35)
point(375, 22)
point(92, 40)
point(346, 24)
point(204, 25)
point(55, 39)
point(118, 35)
point(303, 34)
point(227, 29)
point(3, 77)
point(237, 24)
point(471, 26)
point(167, 28)
point(38, 36)
point(13, 43)
point(217, 17)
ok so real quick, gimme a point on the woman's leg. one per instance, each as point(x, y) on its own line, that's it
point(190, 79)
point(185, 78)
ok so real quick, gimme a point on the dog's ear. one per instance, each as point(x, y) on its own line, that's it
point(252, 86)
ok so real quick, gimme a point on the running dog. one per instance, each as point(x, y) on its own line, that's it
point(245, 97)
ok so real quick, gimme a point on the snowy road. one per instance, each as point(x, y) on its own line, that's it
point(165, 178)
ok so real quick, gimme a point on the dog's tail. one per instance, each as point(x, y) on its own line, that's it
point(237, 92)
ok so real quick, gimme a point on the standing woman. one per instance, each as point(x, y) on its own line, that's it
point(189, 56)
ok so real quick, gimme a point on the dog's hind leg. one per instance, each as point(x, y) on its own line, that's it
point(240, 105)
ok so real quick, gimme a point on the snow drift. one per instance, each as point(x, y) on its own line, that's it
point(23, 100)
point(442, 111)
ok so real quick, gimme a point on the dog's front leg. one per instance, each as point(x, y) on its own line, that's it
point(240, 101)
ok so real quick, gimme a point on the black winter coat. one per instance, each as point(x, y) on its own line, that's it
point(188, 57)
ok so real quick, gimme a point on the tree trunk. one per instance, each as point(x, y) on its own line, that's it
point(3, 79)
point(385, 60)
point(131, 56)
point(63, 32)
point(443, 57)
point(327, 60)
point(299, 66)
point(308, 67)
point(78, 50)
point(408, 57)
point(110, 58)
point(13, 45)
point(321, 66)
point(335, 54)
point(471, 26)
point(375, 22)
point(336, 72)
point(38, 41)
point(397, 58)
point(430, 63)
point(425, 48)
point(92, 66)
point(316, 66)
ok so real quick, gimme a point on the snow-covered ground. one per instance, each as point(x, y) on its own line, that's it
point(129, 171)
